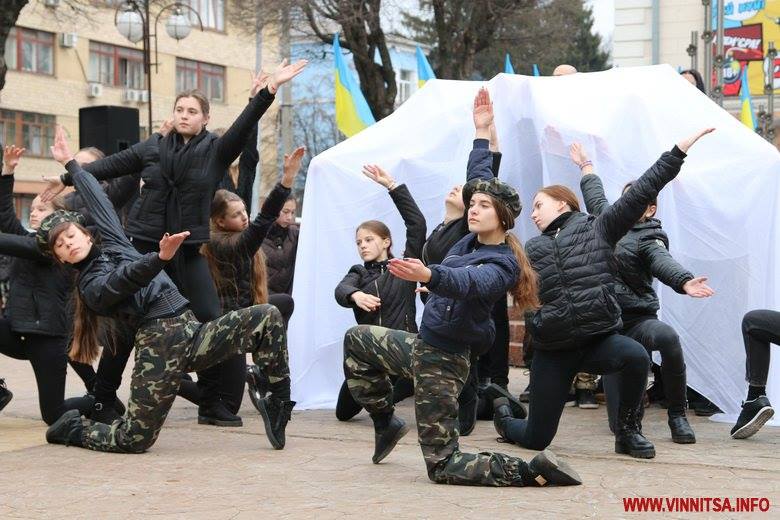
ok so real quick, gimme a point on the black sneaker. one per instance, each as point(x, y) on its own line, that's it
point(502, 413)
point(5, 394)
point(706, 409)
point(256, 385)
point(494, 391)
point(754, 415)
point(216, 413)
point(386, 438)
point(66, 430)
point(586, 399)
point(546, 470)
point(276, 414)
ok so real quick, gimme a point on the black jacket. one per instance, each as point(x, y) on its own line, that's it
point(179, 179)
point(39, 297)
point(115, 280)
point(640, 256)
point(247, 170)
point(235, 253)
point(575, 263)
point(281, 247)
point(120, 192)
point(398, 308)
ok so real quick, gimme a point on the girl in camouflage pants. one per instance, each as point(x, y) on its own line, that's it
point(116, 281)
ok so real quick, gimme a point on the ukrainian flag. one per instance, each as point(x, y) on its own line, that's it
point(352, 111)
point(424, 70)
point(508, 68)
point(746, 115)
point(536, 70)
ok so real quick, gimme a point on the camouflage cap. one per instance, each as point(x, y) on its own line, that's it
point(497, 189)
point(51, 222)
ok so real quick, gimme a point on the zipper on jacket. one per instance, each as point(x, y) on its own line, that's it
point(564, 287)
point(376, 285)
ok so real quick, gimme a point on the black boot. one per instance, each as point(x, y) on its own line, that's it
point(502, 412)
point(546, 470)
point(5, 394)
point(629, 439)
point(104, 413)
point(682, 433)
point(256, 385)
point(276, 414)
point(494, 391)
point(346, 406)
point(67, 430)
point(467, 416)
point(216, 413)
point(755, 413)
point(387, 433)
point(119, 407)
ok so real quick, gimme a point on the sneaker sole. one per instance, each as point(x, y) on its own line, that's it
point(560, 472)
point(637, 454)
point(493, 392)
point(588, 406)
point(398, 436)
point(255, 397)
point(755, 424)
point(217, 422)
point(276, 443)
point(684, 440)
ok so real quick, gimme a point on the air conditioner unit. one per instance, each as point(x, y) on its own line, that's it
point(143, 96)
point(130, 96)
point(94, 90)
point(68, 40)
point(51, 3)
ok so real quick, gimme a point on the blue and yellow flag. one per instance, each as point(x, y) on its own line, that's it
point(746, 114)
point(508, 68)
point(424, 70)
point(352, 111)
point(536, 70)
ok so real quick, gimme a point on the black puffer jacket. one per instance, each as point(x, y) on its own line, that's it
point(398, 308)
point(234, 253)
point(641, 255)
point(39, 297)
point(281, 247)
point(179, 178)
point(575, 263)
point(115, 280)
point(120, 192)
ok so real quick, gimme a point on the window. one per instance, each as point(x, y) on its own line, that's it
point(116, 66)
point(210, 79)
point(405, 85)
point(212, 13)
point(28, 130)
point(30, 51)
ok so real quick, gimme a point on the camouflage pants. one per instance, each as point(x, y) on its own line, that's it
point(373, 354)
point(585, 381)
point(167, 348)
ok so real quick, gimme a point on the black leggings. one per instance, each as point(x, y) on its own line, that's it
point(49, 359)
point(233, 370)
point(553, 371)
point(654, 335)
point(759, 329)
point(189, 270)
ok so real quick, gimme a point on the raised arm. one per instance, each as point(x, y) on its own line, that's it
point(230, 144)
point(18, 246)
point(247, 167)
point(407, 207)
point(105, 291)
point(592, 189)
point(9, 223)
point(494, 149)
point(629, 208)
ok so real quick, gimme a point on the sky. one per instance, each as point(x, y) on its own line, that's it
point(604, 17)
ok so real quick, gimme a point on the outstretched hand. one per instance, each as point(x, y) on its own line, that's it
point(285, 73)
point(686, 143)
point(259, 82)
point(409, 269)
point(367, 302)
point(169, 244)
point(378, 175)
point(61, 151)
point(483, 110)
point(696, 288)
point(11, 156)
point(292, 165)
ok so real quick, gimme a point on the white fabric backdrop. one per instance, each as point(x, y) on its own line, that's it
point(721, 213)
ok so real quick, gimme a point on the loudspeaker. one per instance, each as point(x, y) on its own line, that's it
point(108, 128)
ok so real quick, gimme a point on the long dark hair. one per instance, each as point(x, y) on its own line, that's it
point(525, 293)
point(217, 266)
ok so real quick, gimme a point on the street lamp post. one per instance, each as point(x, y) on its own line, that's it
point(132, 20)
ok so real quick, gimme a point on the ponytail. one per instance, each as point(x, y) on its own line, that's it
point(85, 347)
point(526, 292)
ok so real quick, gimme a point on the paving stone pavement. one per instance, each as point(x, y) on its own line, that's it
point(205, 472)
